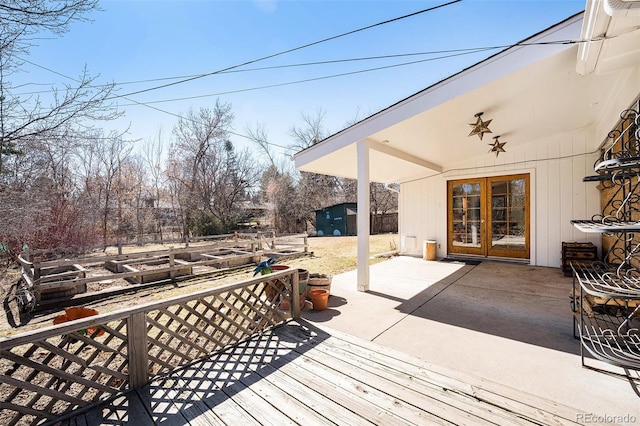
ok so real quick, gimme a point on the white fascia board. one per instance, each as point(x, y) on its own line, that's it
point(488, 70)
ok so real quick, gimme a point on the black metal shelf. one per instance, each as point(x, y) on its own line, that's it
point(606, 344)
point(608, 328)
point(595, 226)
point(599, 280)
point(613, 164)
point(610, 177)
point(606, 310)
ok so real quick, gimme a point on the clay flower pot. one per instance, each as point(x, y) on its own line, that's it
point(320, 299)
point(77, 312)
point(274, 287)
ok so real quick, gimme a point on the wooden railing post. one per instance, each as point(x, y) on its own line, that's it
point(36, 271)
point(172, 264)
point(295, 295)
point(306, 244)
point(119, 247)
point(137, 350)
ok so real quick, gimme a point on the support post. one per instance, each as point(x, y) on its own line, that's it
point(363, 219)
point(137, 350)
point(295, 295)
point(172, 264)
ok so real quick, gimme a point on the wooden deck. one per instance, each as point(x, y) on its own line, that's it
point(300, 374)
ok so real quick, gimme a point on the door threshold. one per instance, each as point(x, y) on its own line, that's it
point(476, 258)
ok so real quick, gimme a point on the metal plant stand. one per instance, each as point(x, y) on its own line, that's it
point(606, 294)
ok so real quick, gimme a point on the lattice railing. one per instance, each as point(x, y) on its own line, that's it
point(47, 373)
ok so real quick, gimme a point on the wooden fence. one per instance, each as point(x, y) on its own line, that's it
point(47, 373)
point(66, 277)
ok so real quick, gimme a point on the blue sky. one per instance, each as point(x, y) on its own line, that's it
point(144, 40)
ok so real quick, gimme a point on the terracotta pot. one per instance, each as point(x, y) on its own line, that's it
point(284, 305)
point(77, 312)
point(274, 287)
point(320, 299)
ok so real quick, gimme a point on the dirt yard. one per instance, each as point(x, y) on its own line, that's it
point(327, 255)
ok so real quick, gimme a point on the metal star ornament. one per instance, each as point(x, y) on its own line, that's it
point(480, 127)
point(497, 146)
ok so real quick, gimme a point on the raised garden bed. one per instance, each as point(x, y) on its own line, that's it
point(229, 258)
point(117, 266)
point(58, 282)
point(157, 270)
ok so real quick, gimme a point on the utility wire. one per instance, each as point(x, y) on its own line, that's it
point(134, 102)
point(460, 53)
point(273, 67)
point(327, 62)
point(289, 83)
point(469, 50)
point(326, 77)
point(253, 61)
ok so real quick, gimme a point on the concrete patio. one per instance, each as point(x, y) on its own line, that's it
point(508, 324)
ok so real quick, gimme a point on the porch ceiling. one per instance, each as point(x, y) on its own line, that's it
point(531, 93)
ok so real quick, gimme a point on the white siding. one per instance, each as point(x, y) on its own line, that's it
point(558, 195)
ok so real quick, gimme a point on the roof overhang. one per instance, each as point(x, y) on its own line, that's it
point(531, 90)
point(610, 25)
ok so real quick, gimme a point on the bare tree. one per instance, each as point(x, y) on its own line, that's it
point(110, 152)
point(260, 137)
point(152, 153)
point(209, 179)
point(38, 135)
point(310, 132)
point(24, 118)
point(383, 201)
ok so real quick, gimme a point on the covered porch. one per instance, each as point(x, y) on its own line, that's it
point(550, 100)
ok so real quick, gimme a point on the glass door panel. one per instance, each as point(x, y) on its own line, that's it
point(466, 217)
point(509, 218)
point(489, 216)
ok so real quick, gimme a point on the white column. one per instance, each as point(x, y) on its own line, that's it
point(363, 216)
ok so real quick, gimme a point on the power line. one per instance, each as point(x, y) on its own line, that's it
point(159, 109)
point(253, 61)
point(273, 67)
point(326, 77)
point(469, 50)
point(460, 53)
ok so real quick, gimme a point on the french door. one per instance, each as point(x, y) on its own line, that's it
point(489, 216)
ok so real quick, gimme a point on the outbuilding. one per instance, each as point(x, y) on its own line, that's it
point(339, 219)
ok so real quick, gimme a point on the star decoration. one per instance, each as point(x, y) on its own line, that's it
point(480, 127)
point(497, 146)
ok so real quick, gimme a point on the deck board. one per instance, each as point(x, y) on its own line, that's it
point(299, 373)
point(436, 397)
